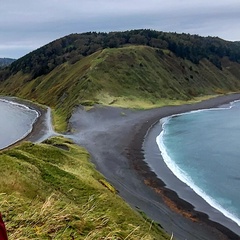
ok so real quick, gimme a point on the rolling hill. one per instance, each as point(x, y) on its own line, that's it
point(142, 66)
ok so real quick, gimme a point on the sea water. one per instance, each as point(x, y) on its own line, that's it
point(16, 121)
point(202, 148)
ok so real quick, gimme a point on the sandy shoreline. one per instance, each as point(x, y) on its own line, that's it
point(156, 164)
point(114, 137)
point(194, 207)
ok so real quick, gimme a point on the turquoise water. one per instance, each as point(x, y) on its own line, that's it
point(202, 149)
point(16, 122)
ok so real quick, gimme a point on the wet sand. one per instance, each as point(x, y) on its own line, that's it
point(117, 140)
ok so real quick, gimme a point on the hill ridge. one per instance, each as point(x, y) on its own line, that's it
point(123, 68)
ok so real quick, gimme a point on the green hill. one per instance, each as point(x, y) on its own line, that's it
point(6, 61)
point(77, 46)
point(136, 74)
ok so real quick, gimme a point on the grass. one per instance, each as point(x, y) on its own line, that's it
point(52, 191)
point(131, 76)
point(136, 103)
point(59, 120)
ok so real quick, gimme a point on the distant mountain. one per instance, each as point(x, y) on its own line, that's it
point(6, 61)
point(144, 65)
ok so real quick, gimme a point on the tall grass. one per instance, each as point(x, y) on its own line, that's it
point(52, 191)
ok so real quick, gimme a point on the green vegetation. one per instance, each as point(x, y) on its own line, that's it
point(52, 191)
point(130, 76)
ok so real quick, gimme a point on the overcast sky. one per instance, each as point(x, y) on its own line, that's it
point(28, 24)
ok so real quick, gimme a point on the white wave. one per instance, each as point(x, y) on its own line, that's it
point(230, 105)
point(27, 109)
point(185, 178)
point(20, 106)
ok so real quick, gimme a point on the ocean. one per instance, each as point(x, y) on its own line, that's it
point(202, 149)
point(16, 122)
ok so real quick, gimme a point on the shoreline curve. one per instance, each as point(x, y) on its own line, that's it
point(213, 215)
point(38, 129)
point(176, 194)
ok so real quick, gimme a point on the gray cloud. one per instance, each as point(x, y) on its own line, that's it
point(26, 25)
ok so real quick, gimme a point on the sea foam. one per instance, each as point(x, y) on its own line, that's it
point(22, 107)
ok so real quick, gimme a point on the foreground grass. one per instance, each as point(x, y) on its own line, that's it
point(52, 191)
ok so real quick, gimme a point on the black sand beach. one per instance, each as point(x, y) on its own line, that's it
point(114, 137)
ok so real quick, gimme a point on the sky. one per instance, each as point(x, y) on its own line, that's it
point(26, 25)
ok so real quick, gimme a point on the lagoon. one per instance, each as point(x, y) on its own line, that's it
point(16, 122)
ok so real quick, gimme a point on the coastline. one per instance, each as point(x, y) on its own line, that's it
point(39, 128)
point(201, 202)
point(176, 194)
point(114, 137)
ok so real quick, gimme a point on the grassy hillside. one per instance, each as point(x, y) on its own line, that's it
point(137, 75)
point(52, 191)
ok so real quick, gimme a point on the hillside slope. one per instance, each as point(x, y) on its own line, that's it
point(52, 191)
point(74, 47)
point(119, 75)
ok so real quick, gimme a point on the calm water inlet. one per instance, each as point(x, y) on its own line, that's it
point(16, 122)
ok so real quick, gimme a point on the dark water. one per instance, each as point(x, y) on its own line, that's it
point(16, 122)
point(202, 149)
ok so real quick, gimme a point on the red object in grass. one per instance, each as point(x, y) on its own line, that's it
point(3, 232)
